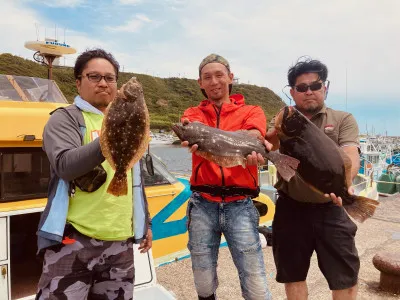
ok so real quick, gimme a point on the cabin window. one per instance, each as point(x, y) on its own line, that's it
point(33, 89)
point(24, 174)
point(161, 175)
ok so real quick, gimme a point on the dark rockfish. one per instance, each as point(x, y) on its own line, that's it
point(324, 166)
point(230, 148)
point(125, 133)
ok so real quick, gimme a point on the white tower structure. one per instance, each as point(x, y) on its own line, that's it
point(48, 50)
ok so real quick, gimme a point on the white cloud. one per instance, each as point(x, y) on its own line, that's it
point(129, 2)
point(261, 39)
point(23, 29)
point(142, 18)
point(132, 26)
point(59, 3)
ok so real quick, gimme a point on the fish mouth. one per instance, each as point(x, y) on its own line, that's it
point(278, 121)
point(286, 113)
point(177, 128)
point(289, 111)
point(131, 89)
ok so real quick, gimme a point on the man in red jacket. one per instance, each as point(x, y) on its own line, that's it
point(221, 199)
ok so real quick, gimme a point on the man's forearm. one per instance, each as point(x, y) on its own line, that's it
point(79, 161)
point(254, 132)
point(63, 146)
point(352, 153)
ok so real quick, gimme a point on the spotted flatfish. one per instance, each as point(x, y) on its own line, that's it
point(125, 133)
point(230, 148)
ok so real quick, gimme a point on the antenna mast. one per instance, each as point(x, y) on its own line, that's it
point(48, 50)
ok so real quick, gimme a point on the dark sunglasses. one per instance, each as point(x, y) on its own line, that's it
point(303, 87)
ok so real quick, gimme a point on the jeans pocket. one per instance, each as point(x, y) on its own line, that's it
point(254, 214)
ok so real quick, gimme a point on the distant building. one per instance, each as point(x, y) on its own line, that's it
point(235, 80)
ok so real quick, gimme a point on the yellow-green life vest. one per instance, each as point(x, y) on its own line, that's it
point(98, 214)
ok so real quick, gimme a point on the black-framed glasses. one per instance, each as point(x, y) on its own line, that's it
point(303, 87)
point(94, 77)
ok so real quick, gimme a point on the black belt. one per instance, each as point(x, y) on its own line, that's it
point(225, 191)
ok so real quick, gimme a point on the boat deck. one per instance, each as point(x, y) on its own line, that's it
point(382, 232)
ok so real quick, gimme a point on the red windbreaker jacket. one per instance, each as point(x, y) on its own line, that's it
point(231, 117)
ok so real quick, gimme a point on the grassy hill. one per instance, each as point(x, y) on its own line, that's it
point(166, 98)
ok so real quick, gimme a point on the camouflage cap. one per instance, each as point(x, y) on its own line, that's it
point(214, 58)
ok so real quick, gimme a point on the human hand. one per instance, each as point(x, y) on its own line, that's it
point(254, 158)
point(194, 147)
point(267, 144)
point(146, 244)
point(271, 140)
point(338, 200)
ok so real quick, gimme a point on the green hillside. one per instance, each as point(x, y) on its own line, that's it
point(166, 98)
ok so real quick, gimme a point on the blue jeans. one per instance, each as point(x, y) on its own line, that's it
point(238, 221)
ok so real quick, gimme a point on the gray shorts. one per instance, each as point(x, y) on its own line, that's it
point(88, 269)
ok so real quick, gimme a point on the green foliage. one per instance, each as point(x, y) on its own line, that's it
point(166, 98)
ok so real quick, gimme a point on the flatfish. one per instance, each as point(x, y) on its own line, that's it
point(324, 166)
point(230, 148)
point(125, 133)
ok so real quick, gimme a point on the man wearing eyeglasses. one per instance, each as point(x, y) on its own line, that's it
point(302, 223)
point(85, 234)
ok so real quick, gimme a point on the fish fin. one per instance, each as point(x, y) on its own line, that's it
point(145, 141)
point(347, 166)
point(118, 185)
point(223, 161)
point(105, 149)
point(140, 152)
point(361, 208)
point(285, 165)
point(315, 190)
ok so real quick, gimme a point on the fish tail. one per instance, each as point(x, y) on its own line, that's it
point(118, 185)
point(285, 165)
point(361, 208)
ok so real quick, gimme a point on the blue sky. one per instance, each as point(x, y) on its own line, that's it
point(260, 38)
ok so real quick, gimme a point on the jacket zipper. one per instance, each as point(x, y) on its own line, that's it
point(197, 171)
point(218, 112)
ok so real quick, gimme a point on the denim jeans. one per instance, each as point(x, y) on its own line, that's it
point(238, 221)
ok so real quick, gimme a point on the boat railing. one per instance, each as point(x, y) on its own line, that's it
point(369, 168)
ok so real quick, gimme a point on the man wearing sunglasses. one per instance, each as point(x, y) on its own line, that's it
point(85, 234)
point(302, 224)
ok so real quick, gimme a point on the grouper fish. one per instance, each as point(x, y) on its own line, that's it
point(324, 166)
point(230, 148)
point(125, 133)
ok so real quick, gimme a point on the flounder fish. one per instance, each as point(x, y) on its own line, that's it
point(125, 133)
point(230, 148)
point(324, 166)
